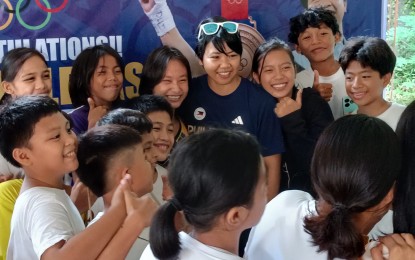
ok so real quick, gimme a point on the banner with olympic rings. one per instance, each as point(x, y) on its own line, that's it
point(61, 29)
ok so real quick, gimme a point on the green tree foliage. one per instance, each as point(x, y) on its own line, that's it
point(403, 86)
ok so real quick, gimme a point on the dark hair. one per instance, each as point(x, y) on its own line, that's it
point(128, 117)
point(96, 149)
point(273, 44)
point(18, 120)
point(233, 40)
point(370, 52)
point(156, 65)
point(313, 17)
point(355, 164)
point(83, 70)
point(206, 190)
point(13, 61)
point(149, 103)
point(404, 201)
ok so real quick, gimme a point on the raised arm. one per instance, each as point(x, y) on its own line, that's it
point(91, 242)
point(162, 20)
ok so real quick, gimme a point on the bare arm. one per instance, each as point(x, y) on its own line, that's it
point(173, 38)
point(273, 168)
point(91, 242)
point(161, 17)
point(141, 211)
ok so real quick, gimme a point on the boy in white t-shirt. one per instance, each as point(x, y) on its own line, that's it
point(35, 135)
point(314, 34)
point(368, 64)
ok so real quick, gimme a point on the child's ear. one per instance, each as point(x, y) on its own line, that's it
point(7, 87)
point(297, 48)
point(235, 217)
point(386, 79)
point(200, 62)
point(255, 76)
point(21, 155)
point(123, 172)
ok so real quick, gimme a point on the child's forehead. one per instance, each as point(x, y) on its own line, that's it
point(48, 124)
point(358, 66)
point(321, 25)
point(51, 120)
point(160, 116)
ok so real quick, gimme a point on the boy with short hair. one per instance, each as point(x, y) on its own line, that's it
point(315, 33)
point(106, 153)
point(35, 135)
point(368, 64)
point(160, 112)
point(339, 7)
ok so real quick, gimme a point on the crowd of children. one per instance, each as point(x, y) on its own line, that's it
point(307, 164)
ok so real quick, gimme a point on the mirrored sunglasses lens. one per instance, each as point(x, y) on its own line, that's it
point(210, 28)
point(230, 27)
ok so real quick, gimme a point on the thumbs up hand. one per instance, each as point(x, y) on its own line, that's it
point(95, 113)
point(325, 89)
point(288, 105)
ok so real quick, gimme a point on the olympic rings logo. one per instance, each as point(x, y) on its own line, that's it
point(7, 7)
point(238, 2)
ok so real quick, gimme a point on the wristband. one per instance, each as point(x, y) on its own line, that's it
point(161, 17)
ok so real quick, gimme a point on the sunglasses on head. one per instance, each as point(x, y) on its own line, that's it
point(212, 28)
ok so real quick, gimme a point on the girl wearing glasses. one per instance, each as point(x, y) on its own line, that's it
point(223, 99)
point(303, 112)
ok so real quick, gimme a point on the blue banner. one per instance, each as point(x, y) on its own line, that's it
point(60, 29)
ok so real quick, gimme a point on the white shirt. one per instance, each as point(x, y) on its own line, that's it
point(280, 233)
point(305, 79)
point(139, 245)
point(195, 250)
point(41, 218)
point(392, 115)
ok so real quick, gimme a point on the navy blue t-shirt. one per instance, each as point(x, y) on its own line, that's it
point(249, 108)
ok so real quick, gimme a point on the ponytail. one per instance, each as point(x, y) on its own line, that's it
point(164, 239)
point(335, 233)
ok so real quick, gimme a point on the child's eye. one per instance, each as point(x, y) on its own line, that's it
point(157, 129)
point(166, 81)
point(170, 130)
point(56, 136)
point(29, 79)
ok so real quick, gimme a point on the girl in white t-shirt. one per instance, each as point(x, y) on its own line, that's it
point(218, 181)
point(354, 168)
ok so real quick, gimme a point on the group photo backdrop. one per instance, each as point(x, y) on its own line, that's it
point(61, 29)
